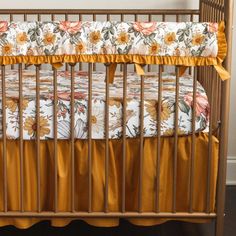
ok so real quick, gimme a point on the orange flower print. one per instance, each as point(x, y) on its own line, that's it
point(21, 38)
point(198, 39)
point(95, 37)
point(154, 48)
point(169, 38)
point(3, 26)
point(30, 125)
point(123, 38)
point(70, 27)
point(49, 39)
point(7, 49)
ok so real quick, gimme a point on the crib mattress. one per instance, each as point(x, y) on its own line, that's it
point(98, 105)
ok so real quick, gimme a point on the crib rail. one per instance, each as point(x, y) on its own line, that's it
point(103, 14)
point(106, 212)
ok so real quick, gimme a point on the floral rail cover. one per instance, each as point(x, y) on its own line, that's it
point(173, 43)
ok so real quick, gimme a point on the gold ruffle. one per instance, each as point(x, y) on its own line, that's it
point(222, 52)
point(109, 58)
point(115, 178)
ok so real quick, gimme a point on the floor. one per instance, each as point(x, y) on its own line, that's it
point(170, 228)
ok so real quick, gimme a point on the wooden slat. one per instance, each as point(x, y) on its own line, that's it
point(66, 19)
point(175, 139)
point(72, 139)
point(90, 137)
point(124, 136)
point(11, 19)
point(94, 19)
point(158, 138)
point(21, 139)
point(209, 167)
point(150, 20)
point(80, 63)
point(191, 169)
point(140, 198)
point(55, 139)
point(4, 148)
point(107, 140)
point(38, 137)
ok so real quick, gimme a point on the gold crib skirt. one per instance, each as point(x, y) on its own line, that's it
point(115, 178)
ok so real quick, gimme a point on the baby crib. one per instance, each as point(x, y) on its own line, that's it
point(145, 179)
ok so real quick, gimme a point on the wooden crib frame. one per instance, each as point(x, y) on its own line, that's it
point(217, 90)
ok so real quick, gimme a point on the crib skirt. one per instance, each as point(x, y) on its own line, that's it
point(115, 178)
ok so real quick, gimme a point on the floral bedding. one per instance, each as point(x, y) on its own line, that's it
point(98, 105)
point(189, 39)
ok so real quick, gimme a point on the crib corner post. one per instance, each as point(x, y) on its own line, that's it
point(225, 86)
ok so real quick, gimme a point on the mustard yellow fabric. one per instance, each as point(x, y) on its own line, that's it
point(115, 173)
point(108, 58)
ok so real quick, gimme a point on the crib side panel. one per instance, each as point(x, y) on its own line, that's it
point(205, 76)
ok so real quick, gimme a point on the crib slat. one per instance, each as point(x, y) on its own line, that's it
point(21, 138)
point(124, 135)
point(55, 136)
point(177, 17)
point(90, 137)
point(141, 145)
point(72, 130)
point(5, 187)
point(122, 19)
point(38, 137)
point(80, 63)
point(66, 19)
point(150, 20)
point(191, 169)
point(158, 137)
point(94, 19)
point(208, 194)
point(175, 139)
point(107, 139)
point(163, 17)
point(11, 19)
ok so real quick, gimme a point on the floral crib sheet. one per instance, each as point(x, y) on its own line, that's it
point(98, 105)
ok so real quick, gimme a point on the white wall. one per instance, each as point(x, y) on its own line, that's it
point(92, 4)
point(96, 4)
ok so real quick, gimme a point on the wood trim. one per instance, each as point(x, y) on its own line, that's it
point(101, 11)
point(50, 214)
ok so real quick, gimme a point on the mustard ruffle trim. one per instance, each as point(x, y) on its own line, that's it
point(222, 52)
point(107, 58)
point(222, 44)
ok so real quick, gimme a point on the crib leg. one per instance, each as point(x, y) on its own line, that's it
point(219, 231)
point(221, 185)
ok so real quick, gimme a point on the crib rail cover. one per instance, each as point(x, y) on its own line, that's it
point(169, 43)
